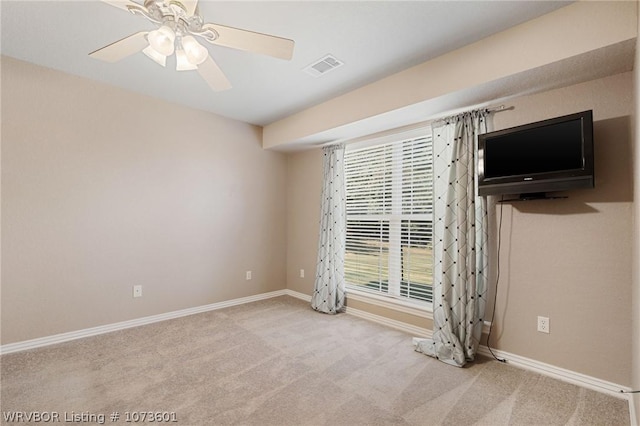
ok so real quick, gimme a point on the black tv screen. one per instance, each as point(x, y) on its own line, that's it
point(546, 156)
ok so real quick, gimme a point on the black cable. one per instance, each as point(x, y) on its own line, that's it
point(495, 295)
point(633, 391)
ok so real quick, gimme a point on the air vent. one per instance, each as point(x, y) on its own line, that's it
point(323, 66)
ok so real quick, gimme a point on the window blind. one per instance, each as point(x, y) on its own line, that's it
point(389, 218)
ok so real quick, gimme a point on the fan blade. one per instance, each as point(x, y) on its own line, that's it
point(122, 48)
point(249, 41)
point(120, 4)
point(213, 75)
point(190, 6)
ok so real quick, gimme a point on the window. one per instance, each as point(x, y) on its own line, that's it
point(389, 218)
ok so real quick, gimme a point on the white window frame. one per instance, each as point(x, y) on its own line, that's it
point(390, 301)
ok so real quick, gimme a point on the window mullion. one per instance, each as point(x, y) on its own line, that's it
point(395, 229)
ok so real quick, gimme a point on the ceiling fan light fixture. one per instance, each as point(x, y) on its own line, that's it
point(162, 40)
point(157, 57)
point(182, 63)
point(176, 22)
point(195, 52)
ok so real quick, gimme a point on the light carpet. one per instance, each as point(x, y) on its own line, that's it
point(277, 362)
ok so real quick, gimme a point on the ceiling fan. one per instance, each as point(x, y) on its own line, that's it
point(179, 24)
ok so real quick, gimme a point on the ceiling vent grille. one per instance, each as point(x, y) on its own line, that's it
point(323, 66)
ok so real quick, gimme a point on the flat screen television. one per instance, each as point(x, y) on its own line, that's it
point(536, 158)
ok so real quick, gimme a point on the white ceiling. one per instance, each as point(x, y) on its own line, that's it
point(373, 38)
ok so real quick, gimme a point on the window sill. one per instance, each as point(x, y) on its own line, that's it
point(423, 310)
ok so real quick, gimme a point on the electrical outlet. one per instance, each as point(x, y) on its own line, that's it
point(248, 275)
point(301, 273)
point(137, 291)
point(543, 325)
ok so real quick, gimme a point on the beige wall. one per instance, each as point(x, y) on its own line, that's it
point(304, 186)
point(570, 260)
point(566, 259)
point(103, 189)
point(636, 238)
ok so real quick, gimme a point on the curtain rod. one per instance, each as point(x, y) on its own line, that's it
point(498, 108)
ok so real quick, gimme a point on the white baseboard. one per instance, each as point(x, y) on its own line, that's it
point(568, 376)
point(512, 359)
point(548, 370)
point(559, 373)
point(94, 331)
point(298, 295)
point(399, 325)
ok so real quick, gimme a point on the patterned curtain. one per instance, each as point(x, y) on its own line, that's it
point(460, 242)
point(328, 295)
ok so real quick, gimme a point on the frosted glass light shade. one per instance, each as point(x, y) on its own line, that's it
point(196, 53)
point(152, 53)
point(182, 63)
point(162, 40)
